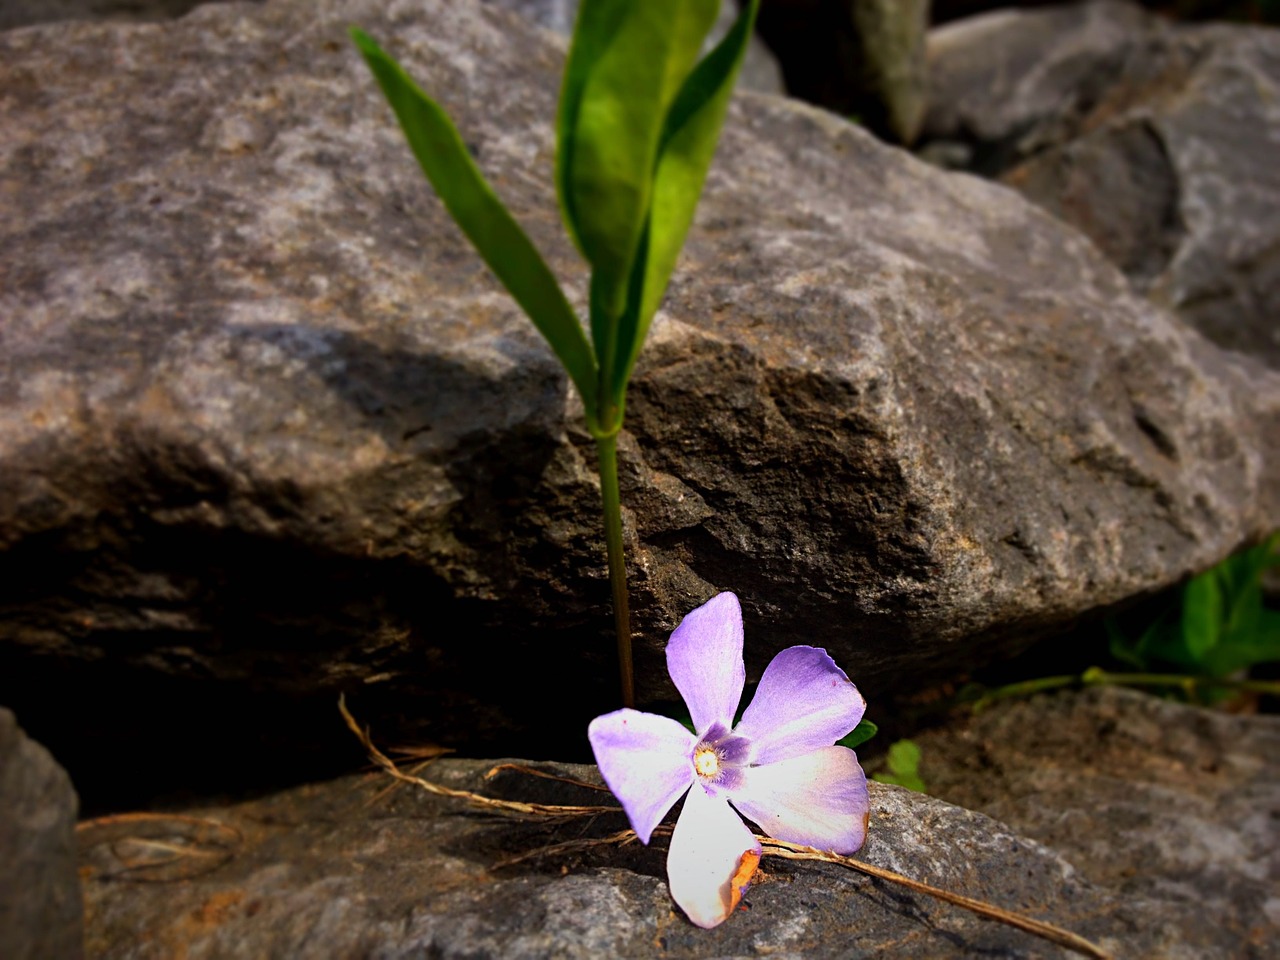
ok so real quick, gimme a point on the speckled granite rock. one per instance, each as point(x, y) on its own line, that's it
point(21, 13)
point(1158, 142)
point(41, 911)
point(1152, 799)
point(332, 870)
point(268, 430)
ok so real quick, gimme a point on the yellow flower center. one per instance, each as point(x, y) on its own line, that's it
point(706, 761)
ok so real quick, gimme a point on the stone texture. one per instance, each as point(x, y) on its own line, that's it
point(1146, 797)
point(269, 431)
point(41, 911)
point(350, 869)
point(1011, 82)
point(1158, 142)
point(22, 13)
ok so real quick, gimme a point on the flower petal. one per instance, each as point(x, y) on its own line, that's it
point(804, 702)
point(819, 799)
point(646, 761)
point(712, 859)
point(704, 658)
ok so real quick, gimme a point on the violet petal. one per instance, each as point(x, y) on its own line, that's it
point(804, 702)
point(645, 760)
point(704, 658)
point(819, 799)
point(712, 858)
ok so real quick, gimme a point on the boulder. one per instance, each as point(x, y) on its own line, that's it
point(269, 431)
point(1156, 141)
point(1159, 800)
point(362, 867)
point(41, 908)
point(22, 13)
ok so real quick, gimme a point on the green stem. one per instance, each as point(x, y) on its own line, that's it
point(607, 448)
point(1025, 688)
point(1095, 676)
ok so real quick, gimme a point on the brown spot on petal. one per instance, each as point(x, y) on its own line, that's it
point(741, 879)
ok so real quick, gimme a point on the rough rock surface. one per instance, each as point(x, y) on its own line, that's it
point(1011, 82)
point(1158, 142)
point(21, 13)
point(268, 430)
point(1153, 799)
point(41, 910)
point(348, 869)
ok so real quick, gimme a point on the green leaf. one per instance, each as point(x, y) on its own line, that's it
point(627, 62)
point(860, 734)
point(1260, 645)
point(497, 237)
point(1242, 586)
point(1201, 614)
point(689, 139)
point(904, 766)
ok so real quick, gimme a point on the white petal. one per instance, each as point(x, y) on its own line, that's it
point(819, 799)
point(712, 859)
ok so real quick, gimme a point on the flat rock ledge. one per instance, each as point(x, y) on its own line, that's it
point(1149, 827)
point(361, 867)
point(1158, 800)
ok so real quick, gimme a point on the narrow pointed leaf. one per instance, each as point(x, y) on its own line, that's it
point(497, 237)
point(627, 63)
point(689, 140)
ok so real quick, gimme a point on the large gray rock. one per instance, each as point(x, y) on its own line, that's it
point(21, 13)
point(1158, 142)
point(1156, 799)
point(41, 910)
point(268, 429)
point(1012, 82)
point(348, 869)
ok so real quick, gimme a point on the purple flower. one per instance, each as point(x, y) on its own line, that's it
point(778, 767)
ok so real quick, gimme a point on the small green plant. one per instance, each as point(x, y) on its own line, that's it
point(639, 119)
point(903, 762)
point(1223, 625)
point(1199, 648)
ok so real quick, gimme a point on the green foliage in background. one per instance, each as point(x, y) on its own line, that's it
point(1223, 626)
point(1200, 649)
point(903, 763)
